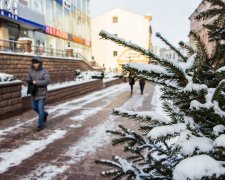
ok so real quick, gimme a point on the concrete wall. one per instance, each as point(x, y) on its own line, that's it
point(60, 70)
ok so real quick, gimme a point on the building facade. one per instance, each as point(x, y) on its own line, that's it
point(125, 24)
point(198, 28)
point(55, 24)
point(171, 54)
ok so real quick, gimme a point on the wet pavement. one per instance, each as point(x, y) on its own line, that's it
point(74, 136)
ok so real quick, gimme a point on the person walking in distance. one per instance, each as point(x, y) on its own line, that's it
point(142, 85)
point(38, 78)
point(131, 82)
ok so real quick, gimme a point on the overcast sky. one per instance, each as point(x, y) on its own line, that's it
point(170, 17)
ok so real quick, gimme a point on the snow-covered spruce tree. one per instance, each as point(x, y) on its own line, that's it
point(190, 143)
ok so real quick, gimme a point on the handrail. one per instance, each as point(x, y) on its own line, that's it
point(17, 47)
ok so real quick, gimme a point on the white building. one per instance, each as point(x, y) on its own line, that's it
point(127, 25)
point(170, 54)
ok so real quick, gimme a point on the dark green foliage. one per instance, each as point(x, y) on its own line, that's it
point(192, 94)
point(217, 27)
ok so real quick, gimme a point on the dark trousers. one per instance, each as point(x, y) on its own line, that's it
point(39, 107)
point(131, 88)
point(142, 86)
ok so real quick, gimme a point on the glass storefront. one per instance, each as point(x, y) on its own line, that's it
point(68, 20)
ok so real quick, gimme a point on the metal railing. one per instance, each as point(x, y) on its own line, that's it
point(39, 50)
point(17, 47)
point(11, 46)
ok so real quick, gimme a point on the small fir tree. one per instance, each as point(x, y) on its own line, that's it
point(190, 143)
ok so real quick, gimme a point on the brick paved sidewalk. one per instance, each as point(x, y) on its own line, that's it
point(73, 139)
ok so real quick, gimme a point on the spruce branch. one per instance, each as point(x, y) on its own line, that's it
point(187, 47)
point(172, 47)
point(174, 67)
point(209, 14)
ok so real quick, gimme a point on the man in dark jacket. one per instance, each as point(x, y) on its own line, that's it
point(38, 77)
point(131, 82)
point(142, 85)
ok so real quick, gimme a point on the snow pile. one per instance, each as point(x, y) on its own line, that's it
point(110, 75)
point(6, 77)
point(198, 167)
point(86, 75)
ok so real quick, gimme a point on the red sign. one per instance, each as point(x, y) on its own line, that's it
point(56, 32)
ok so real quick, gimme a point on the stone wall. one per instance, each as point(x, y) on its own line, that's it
point(114, 82)
point(10, 99)
point(11, 102)
point(62, 94)
point(60, 69)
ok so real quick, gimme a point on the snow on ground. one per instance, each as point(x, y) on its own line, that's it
point(87, 113)
point(95, 138)
point(70, 106)
point(15, 157)
point(197, 167)
point(75, 126)
point(4, 132)
point(46, 172)
point(157, 103)
point(112, 91)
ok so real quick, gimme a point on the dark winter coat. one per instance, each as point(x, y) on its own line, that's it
point(131, 80)
point(141, 82)
point(41, 76)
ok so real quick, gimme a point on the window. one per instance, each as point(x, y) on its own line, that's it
point(114, 53)
point(115, 19)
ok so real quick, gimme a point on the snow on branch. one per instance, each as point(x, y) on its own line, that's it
point(172, 47)
point(162, 131)
point(209, 104)
point(150, 68)
point(198, 167)
point(148, 115)
point(190, 144)
point(174, 65)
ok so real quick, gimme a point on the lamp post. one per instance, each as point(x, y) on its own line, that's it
point(149, 19)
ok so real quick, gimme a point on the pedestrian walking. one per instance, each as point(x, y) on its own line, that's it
point(142, 85)
point(38, 79)
point(131, 82)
